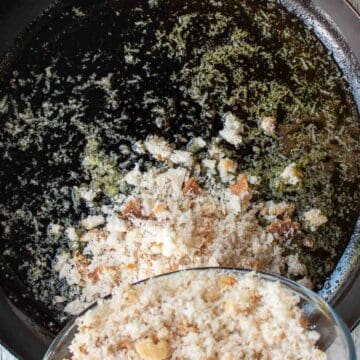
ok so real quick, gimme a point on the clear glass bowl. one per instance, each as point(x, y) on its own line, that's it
point(335, 338)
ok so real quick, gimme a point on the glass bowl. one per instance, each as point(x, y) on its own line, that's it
point(335, 339)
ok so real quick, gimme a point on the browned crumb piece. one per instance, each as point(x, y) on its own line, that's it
point(131, 266)
point(191, 188)
point(121, 345)
point(113, 271)
point(183, 328)
point(240, 186)
point(226, 281)
point(148, 349)
point(83, 349)
point(82, 263)
point(132, 208)
point(283, 227)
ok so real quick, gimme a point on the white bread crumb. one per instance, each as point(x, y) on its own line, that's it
point(71, 234)
point(291, 175)
point(87, 194)
point(54, 229)
point(215, 152)
point(196, 144)
point(158, 147)
point(182, 157)
point(209, 165)
point(315, 218)
point(227, 169)
point(268, 125)
point(233, 128)
point(92, 221)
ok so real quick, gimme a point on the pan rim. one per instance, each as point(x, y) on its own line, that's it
point(345, 60)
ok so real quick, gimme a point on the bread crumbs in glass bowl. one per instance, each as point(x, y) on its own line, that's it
point(207, 313)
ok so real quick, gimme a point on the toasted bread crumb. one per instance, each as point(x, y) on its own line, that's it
point(240, 186)
point(191, 187)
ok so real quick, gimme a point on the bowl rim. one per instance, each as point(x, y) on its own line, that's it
point(289, 284)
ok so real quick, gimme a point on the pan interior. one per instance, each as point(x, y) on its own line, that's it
point(74, 75)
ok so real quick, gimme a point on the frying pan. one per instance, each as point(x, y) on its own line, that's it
point(22, 320)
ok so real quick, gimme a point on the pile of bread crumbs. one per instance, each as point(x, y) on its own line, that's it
point(197, 315)
point(182, 214)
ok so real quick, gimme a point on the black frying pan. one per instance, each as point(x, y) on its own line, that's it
point(24, 323)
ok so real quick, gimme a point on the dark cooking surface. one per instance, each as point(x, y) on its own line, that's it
point(77, 37)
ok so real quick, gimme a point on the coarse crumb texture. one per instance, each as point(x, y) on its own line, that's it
point(197, 315)
point(176, 217)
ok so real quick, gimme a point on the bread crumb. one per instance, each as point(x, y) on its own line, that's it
point(92, 221)
point(226, 281)
point(87, 194)
point(314, 218)
point(191, 187)
point(71, 234)
point(233, 129)
point(215, 152)
point(291, 175)
point(209, 165)
point(196, 144)
point(295, 267)
point(241, 185)
point(281, 209)
point(227, 168)
point(54, 229)
point(158, 147)
point(133, 177)
point(182, 157)
point(268, 125)
point(132, 208)
point(149, 350)
point(285, 227)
